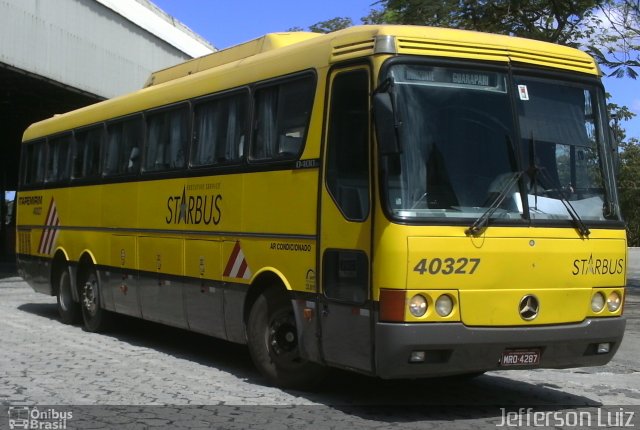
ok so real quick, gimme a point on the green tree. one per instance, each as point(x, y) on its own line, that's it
point(327, 26)
point(554, 21)
point(629, 188)
point(330, 25)
point(616, 39)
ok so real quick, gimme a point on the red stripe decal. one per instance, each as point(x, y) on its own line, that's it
point(232, 259)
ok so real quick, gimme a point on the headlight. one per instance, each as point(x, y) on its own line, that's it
point(418, 305)
point(597, 302)
point(613, 301)
point(444, 305)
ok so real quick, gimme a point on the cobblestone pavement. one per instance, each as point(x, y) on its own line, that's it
point(152, 376)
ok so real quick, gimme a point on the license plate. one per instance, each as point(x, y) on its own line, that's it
point(520, 358)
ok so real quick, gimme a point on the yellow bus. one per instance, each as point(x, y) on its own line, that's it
point(398, 201)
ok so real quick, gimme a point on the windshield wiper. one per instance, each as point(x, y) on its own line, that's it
point(534, 170)
point(583, 230)
point(482, 222)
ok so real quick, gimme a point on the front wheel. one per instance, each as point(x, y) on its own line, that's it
point(95, 317)
point(68, 310)
point(273, 343)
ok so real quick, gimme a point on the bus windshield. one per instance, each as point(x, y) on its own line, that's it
point(457, 147)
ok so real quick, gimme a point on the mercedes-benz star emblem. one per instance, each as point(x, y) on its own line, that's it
point(529, 307)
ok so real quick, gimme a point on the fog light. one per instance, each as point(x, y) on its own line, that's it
point(418, 305)
point(603, 348)
point(444, 305)
point(597, 302)
point(417, 357)
point(613, 301)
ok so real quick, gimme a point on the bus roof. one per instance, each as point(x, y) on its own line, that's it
point(282, 53)
point(238, 52)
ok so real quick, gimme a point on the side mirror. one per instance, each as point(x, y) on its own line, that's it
point(385, 122)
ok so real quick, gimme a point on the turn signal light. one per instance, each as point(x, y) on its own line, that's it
point(392, 304)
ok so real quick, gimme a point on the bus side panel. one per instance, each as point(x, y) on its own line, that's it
point(204, 296)
point(123, 282)
point(36, 273)
point(40, 219)
point(161, 280)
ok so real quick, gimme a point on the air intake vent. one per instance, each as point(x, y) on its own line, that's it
point(352, 50)
point(24, 242)
point(568, 60)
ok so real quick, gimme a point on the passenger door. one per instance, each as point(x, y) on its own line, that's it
point(345, 224)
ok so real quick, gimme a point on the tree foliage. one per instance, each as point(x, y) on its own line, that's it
point(629, 189)
point(616, 39)
point(333, 24)
point(330, 25)
point(549, 20)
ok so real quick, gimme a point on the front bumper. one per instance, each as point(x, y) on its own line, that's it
point(453, 348)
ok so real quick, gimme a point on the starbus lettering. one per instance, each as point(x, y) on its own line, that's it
point(598, 266)
point(199, 209)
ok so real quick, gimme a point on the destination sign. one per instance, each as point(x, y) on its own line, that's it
point(451, 77)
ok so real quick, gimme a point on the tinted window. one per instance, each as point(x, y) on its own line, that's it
point(167, 134)
point(346, 275)
point(347, 150)
point(281, 119)
point(58, 158)
point(86, 157)
point(122, 152)
point(219, 130)
point(34, 162)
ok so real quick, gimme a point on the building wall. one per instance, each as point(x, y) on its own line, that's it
point(86, 44)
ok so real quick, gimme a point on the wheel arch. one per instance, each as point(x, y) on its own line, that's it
point(59, 261)
point(268, 277)
point(86, 259)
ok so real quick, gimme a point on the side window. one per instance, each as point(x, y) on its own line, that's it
point(219, 130)
point(58, 158)
point(86, 155)
point(348, 144)
point(167, 134)
point(282, 113)
point(34, 162)
point(122, 150)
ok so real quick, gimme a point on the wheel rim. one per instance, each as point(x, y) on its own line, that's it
point(65, 291)
point(282, 339)
point(90, 296)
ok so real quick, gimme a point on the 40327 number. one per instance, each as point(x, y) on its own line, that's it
point(447, 266)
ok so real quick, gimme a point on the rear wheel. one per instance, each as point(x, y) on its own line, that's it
point(68, 310)
point(273, 343)
point(95, 318)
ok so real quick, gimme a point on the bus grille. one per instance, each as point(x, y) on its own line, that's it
point(24, 242)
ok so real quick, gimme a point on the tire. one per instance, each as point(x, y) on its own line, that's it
point(68, 309)
point(273, 343)
point(95, 317)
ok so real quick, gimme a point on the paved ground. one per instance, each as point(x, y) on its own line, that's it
point(212, 384)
